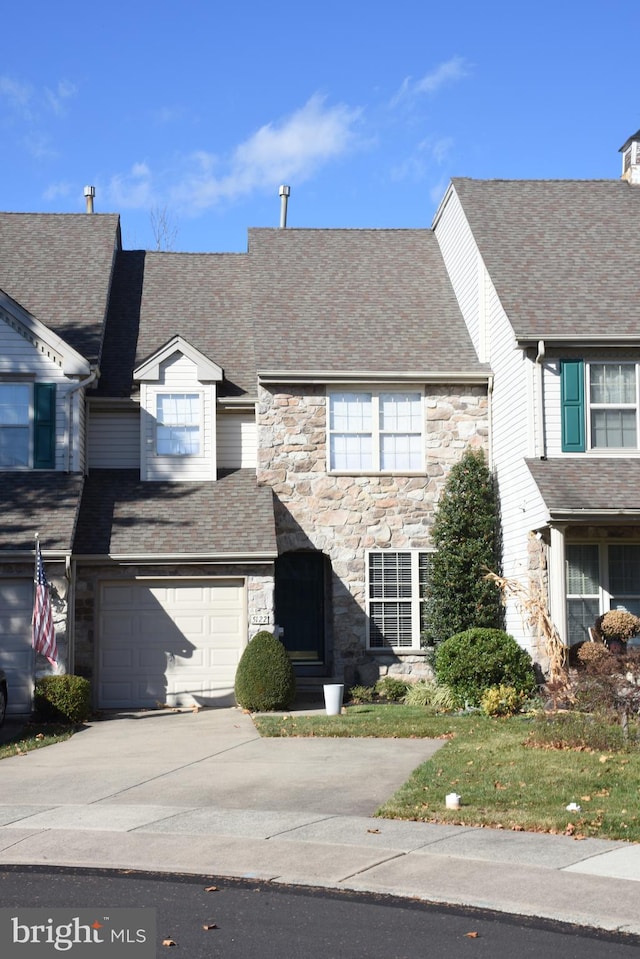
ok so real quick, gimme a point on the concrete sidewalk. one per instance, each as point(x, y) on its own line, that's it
point(203, 793)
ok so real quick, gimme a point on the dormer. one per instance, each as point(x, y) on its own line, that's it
point(631, 159)
point(178, 397)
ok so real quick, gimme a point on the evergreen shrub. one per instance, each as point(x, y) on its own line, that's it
point(63, 699)
point(391, 688)
point(477, 659)
point(265, 679)
point(467, 541)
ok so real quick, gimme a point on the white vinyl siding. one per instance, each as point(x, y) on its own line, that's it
point(237, 440)
point(465, 268)
point(20, 359)
point(522, 508)
point(178, 376)
point(114, 439)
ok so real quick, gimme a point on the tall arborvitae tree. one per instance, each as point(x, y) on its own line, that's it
point(466, 537)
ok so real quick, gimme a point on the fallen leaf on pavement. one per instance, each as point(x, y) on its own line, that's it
point(210, 925)
point(373, 830)
point(168, 942)
point(211, 889)
point(472, 935)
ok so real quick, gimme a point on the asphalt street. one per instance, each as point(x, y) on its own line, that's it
point(238, 920)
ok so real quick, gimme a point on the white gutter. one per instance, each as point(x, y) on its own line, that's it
point(539, 433)
point(93, 376)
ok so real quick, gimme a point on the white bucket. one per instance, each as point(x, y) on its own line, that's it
point(452, 801)
point(333, 698)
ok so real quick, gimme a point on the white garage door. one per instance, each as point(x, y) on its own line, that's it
point(174, 642)
point(16, 654)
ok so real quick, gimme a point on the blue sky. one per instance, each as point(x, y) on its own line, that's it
point(196, 112)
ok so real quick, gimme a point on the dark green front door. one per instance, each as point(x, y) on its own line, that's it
point(300, 607)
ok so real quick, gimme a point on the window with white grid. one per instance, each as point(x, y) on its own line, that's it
point(178, 424)
point(396, 590)
point(375, 431)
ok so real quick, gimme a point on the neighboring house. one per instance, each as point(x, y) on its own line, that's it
point(234, 441)
point(547, 276)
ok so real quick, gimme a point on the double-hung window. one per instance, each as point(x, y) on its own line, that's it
point(27, 425)
point(600, 408)
point(375, 431)
point(396, 597)
point(178, 421)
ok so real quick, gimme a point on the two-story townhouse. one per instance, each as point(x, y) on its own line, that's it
point(368, 391)
point(55, 275)
point(546, 274)
point(236, 441)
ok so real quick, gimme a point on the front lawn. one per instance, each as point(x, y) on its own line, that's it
point(503, 782)
point(24, 738)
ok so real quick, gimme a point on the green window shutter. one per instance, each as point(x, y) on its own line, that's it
point(572, 401)
point(44, 426)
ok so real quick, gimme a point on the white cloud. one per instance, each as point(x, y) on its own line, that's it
point(132, 190)
point(62, 189)
point(448, 72)
point(417, 165)
point(57, 98)
point(17, 94)
point(293, 148)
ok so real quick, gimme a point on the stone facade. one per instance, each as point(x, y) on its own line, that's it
point(344, 516)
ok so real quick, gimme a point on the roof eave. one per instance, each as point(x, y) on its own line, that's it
point(160, 559)
point(525, 340)
point(470, 378)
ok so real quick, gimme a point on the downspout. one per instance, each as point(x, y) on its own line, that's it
point(540, 433)
point(93, 376)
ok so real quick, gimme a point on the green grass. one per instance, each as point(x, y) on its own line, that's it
point(29, 737)
point(503, 782)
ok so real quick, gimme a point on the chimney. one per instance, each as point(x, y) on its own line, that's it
point(285, 192)
point(89, 193)
point(631, 159)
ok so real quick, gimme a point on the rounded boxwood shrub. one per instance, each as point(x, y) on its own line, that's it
point(62, 699)
point(477, 659)
point(265, 679)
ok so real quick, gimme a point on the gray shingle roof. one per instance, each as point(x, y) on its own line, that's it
point(369, 300)
point(58, 267)
point(203, 297)
point(587, 484)
point(44, 503)
point(123, 516)
point(564, 255)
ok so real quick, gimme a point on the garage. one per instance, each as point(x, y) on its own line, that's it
point(174, 642)
point(16, 654)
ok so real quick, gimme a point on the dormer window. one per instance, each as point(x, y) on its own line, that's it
point(178, 414)
point(178, 422)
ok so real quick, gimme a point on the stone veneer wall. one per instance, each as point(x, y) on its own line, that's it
point(343, 516)
point(259, 580)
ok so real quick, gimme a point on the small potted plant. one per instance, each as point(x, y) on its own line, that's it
point(617, 627)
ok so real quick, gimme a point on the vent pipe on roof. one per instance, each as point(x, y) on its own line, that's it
point(285, 193)
point(89, 193)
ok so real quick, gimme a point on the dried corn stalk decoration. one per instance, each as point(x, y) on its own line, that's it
point(535, 612)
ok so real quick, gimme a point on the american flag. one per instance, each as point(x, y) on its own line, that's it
point(44, 635)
